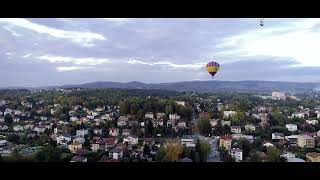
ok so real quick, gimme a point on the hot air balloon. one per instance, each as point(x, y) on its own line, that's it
point(213, 68)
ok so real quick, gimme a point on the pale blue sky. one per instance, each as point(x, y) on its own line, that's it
point(41, 52)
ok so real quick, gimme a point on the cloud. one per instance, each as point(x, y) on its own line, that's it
point(296, 41)
point(71, 68)
point(12, 31)
point(27, 55)
point(82, 38)
point(73, 60)
point(168, 64)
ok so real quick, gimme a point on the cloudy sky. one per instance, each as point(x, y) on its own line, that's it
point(41, 52)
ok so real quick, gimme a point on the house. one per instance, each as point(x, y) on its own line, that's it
point(131, 140)
point(250, 138)
point(236, 153)
point(250, 127)
point(298, 115)
point(189, 140)
point(312, 122)
point(236, 129)
point(116, 153)
point(318, 133)
point(149, 115)
point(161, 115)
point(18, 128)
point(174, 117)
point(204, 115)
point(228, 123)
point(291, 127)
point(1, 119)
point(182, 124)
point(74, 119)
point(125, 132)
point(267, 144)
point(95, 114)
point(287, 155)
point(121, 122)
point(110, 142)
point(313, 157)
point(97, 131)
point(182, 103)
point(82, 132)
point(157, 122)
point(90, 117)
point(227, 114)
point(277, 136)
point(43, 118)
point(16, 120)
point(3, 127)
point(78, 140)
point(74, 147)
point(95, 147)
point(279, 95)
point(100, 109)
point(79, 159)
point(107, 117)
point(318, 114)
point(305, 141)
point(39, 129)
point(63, 139)
point(213, 122)
point(3, 142)
point(225, 142)
point(113, 131)
point(17, 113)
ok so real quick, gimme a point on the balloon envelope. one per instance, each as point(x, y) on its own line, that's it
point(213, 68)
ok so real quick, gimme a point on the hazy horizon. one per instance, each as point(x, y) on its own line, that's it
point(53, 52)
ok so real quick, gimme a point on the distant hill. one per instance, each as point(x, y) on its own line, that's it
point(208, 86)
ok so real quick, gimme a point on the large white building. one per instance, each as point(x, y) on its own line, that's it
point(227, 114)
point(291, 127)
point(279, 95)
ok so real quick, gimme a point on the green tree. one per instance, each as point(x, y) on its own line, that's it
point(204, 126)
point(204, 149)
point(273, 154)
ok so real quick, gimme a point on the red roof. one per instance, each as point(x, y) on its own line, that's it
point(109, 141)
point(226, 137)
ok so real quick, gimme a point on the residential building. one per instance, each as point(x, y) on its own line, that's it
point(39, 129)
point(228, 123)
point(74, 119)
point(225, 141)
point(79, 159)
point(250, 127)
point(18, 128)
point(227, 114)
point(182, 124)
point(213, 122)
point(277, 136)
point(125, 132)
point(279, 95)
point(78, 140)
point(116, 153)
point(157, 122)
point(97, 131)
point(182, 103)
point(161, 115)
point(149, 115)
point(313, 157)
point(174, 117)
point(131, 140)
point(74, 147)
point(95, 147)
point(305, 141)
point(113, 131)
point(82, 132)
point(291, 127)
point(63, 139)
point(312, 122)
point(236, 153)
point(189, 140)
point(236, 129)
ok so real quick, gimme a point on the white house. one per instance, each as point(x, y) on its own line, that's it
point(228, 123)
point(113, 131)
point(149, 115)
point(189, 141)
point(39, 129)
point(287, 155)
point(279, 95)
point(43, 118)
point(298, 115)
point(74, 118)
point(318, 133)
point(161, 115)
point(95, 147)
point(182, 103)
point(236, 129)
point(277, 136)
point(1, 119)
point(236, 153)
point(116, 153)
point(227, 114)
point(174, 117)
point(63, 139)
point(131, 140)
point(18, 128)
point(250, 127)
point(125, 132)
point(17, 113)
point(28, 126)
point(182, 124)
point(95, 114)
point(97, 131)
point(291, 127)
point(312, 122)
point(318, 114)
point(157, 122)
point(213, 122)
point(78, 140)
point(16, 120)
point(82, 132)
point(121, 123)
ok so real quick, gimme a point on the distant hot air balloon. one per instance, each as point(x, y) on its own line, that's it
point(213, 68)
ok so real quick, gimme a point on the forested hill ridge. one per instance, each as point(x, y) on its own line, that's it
point(207, 86)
